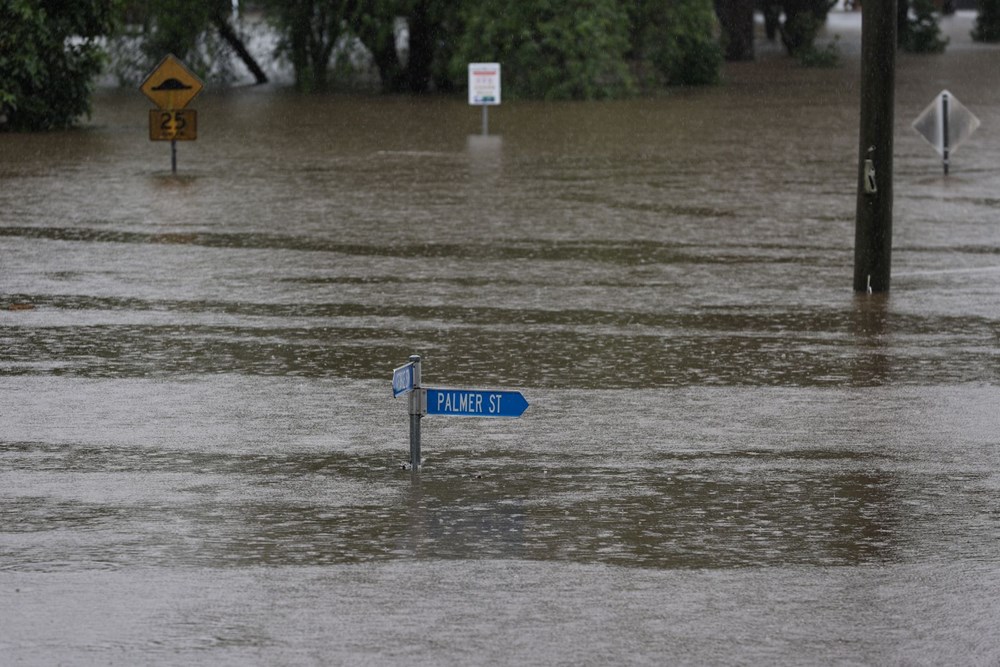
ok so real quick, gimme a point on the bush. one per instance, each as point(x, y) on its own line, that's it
point(681, 41)
point(803, 20)
point(921, 33)
point(987, 27)
point(548, 49)
point(828, 56)
point(49, 56)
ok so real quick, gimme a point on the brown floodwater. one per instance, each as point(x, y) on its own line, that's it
point(728, 456)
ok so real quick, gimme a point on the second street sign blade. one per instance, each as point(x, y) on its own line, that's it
point(402, 380)
point(475, 403)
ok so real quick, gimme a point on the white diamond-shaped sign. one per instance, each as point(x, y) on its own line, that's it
point(945, 123)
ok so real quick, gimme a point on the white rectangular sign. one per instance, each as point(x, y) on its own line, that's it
point(484, 84)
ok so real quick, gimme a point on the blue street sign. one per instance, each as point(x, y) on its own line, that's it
point(402, 380)
point(475, 403)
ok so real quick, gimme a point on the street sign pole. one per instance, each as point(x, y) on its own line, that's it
point(944, 129)
point(173, 156)
point(448, 402)
point(416, 412)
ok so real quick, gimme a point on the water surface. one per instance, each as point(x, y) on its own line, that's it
point(728, 458)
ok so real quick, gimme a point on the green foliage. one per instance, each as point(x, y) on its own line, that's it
point(921, 33)
point(309, 32)
point(803, 20)
point(574, 49)
point(49, 55)
point(155, 28)
point(679, 37)
point(175, 26)
point(987, 28)
point(828, 56)
point(374, 23)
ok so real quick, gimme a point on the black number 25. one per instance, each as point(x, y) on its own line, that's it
point(179, 122)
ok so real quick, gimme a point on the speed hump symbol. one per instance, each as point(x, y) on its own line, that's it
point(171, 85)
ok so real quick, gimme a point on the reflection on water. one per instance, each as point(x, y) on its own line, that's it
point(679, 511)
point(196, 368)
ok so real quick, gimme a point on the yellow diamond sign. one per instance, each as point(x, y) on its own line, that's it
point(171, 85)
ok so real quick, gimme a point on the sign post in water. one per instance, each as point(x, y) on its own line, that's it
point(945, 124)
point(484, 89)
point(406, 380)
point(171, 86)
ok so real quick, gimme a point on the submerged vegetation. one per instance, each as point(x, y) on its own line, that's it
point(987, 27)
point(550, 49)
point(49, 56)
point(920, 32)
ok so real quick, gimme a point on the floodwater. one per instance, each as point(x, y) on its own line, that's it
point(729, 458)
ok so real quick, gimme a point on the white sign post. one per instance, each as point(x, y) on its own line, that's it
point(945, 124)
point(484, 89)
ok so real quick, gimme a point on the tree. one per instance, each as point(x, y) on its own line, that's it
point(574, 49)
point(310, 30)
point(174, 26)
point(920, 32)
point(987, 28)
point(188, 29)
point(49, 55)
point(678, 37)
point(736, 19)
point(431, 28)
point(374, 22)
point(227, 33)
point(803, 20)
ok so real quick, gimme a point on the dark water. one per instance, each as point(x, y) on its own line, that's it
point(728, 458)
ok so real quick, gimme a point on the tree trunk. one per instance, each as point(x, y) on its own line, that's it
point(377, 33)
point(736, 20)
point(227, 33)
point(390, 70)
point(418, 65)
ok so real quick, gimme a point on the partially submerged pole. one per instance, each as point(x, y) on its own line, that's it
point(873, 224)
point(416, 412)
point(944, 130)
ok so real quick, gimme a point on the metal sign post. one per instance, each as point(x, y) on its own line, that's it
point(449, 402)
point(416, 413)
point(944, 131)
point(406, 380)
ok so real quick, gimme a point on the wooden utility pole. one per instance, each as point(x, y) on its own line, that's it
point(873, 226)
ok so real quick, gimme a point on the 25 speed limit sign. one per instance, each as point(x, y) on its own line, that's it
point(173, 125)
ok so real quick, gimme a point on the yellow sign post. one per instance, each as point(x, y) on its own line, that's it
point(172, 86)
